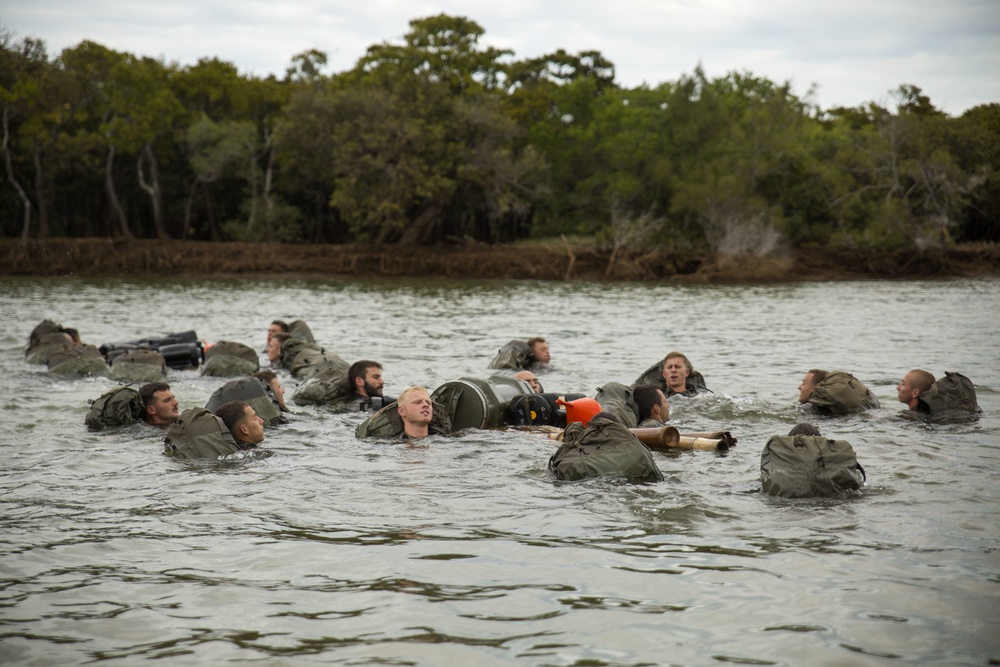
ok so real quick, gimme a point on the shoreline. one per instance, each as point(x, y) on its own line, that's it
point(547, 261)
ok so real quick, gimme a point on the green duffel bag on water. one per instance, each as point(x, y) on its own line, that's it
point(515, 355)
point(309, 362)
point(328, 386)
point(44, 346)
point(841, 393)
point(120, 406)
point(139, 365)
point(79, 359)
point(199, 434)
point(230, 359)
point(809, 466)
point(615, 398)
point(603, 448)
point(952, 398)
point(254, 393)
point(292, 347)
point(299, 329)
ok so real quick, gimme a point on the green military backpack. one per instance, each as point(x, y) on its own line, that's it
point(308, 362)
point(952, 398)
point(199, 434)
point(291, 349)
point(299, 329)
point(603, 448)
point(139, 365)
point(118, 407)
point(79, 359)
point(230, 359)
point(809, 466)
point(841, 393)
point(327, 386)
point(515, 355)
point(254, 393)
point(44, 345)
point(615, 398)
point(387, 423)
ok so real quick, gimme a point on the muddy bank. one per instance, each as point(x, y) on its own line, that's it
point(549, 261)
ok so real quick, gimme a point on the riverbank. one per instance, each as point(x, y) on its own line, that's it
point(540, 261)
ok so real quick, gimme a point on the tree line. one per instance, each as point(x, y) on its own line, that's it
point(441, 139)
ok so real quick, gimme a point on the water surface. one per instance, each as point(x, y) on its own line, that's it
point(465, 551)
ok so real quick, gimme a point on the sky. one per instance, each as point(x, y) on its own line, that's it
point(842, 53)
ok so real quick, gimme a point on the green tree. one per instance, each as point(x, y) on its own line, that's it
point(20, 66)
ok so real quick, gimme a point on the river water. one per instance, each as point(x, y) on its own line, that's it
point(465, 551)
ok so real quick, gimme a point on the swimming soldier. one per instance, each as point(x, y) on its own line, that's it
point(160, 407)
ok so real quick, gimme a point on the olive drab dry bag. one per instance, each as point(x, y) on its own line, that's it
point(118, 407)
point(328, 386)
point(254, 393)
point(230, 359)
point(309, 362)
point(292, 347)
point(139, 365)
point(299, 329)
point(78, 359)
point(615, 398)
point(44, 345)
point(952, 398)
point(199, 434)
point(515, 355)
point(841, 393)
point(809, 466)
point(603, 448)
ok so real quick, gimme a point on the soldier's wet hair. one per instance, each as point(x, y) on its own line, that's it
point(646, 396)
point(804, 428)
point(359, 369)
point(232, 414)
point(679, 355)
point(146, 391)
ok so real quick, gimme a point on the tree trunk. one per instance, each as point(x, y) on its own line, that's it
point(116, 207)
point(187, 210)
point(10, 176)
point(319, 233)
point(213, 227)
point(153, 189)
point(268, 200)
point(43, 209)
point(419, 230)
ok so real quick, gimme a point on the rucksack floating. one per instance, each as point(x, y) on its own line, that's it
point(809, 466)
point(120, 406)
point(603, 448)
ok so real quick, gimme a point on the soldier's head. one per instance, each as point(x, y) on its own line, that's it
point(365, 377)
point(159, 405)
point(913, 384)
point(242, 421)
point(809, 382)
point(540, 349)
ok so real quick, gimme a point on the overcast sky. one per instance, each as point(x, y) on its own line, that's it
point(854, 51)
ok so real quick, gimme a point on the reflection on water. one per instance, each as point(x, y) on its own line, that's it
point(464, 550)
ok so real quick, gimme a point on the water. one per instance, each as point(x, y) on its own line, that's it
point(465, 551)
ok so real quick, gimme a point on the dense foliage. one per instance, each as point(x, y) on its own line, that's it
point(439, 138)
